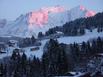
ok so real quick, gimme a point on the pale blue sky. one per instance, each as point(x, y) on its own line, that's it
point(11, 9)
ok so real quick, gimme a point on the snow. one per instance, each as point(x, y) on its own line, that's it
point(75, 74)
point(67, 40)
point(21, 28)
point(80, 39)
point(80, 12)
point(36, 53)
point(8, 53)
point(76, 13)
point(30, 54)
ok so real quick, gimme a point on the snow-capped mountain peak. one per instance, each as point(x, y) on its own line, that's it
point(42, 20)
point(79, 12)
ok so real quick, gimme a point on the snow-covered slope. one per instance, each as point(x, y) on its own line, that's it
point(67, 40)
point(77, 12)
point(42, 20)
point(79, 39)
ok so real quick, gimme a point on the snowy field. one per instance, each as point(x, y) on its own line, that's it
point(79, 39)
point(66, 40)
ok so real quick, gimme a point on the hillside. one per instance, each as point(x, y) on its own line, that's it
point(42, 20)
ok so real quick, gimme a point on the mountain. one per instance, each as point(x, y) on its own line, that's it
point(80, 11)
point(42, 20)
point(3, 22)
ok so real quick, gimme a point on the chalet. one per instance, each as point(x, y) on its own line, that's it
point(12, 43)
point(72, 74)
point(57, 35)
point(34, 49)
point(2, 46)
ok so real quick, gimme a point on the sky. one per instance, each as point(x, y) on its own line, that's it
point(11, 9)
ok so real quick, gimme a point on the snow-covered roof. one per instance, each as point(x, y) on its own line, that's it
point(75, 74)
point(65, 40)
point(100, 54)
point(13, 41)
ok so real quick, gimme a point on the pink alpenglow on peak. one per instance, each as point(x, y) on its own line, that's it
point(40, 17)
point(90, 13)
point(82, 8)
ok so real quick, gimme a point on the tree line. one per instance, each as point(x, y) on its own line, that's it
point(78, 26)
point(56, 59)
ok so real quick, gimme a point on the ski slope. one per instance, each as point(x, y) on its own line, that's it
point(79, 39)
point(66, 40)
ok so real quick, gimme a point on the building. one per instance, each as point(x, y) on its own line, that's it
point(12, 43)
point(2, 47)
point(72, 74)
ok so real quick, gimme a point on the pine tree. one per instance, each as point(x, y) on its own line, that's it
point(88, 49)
point(54, 61)
point(83, 47)
point(75, 52)
point(1, 70)
point(82, 31)
point(45, 63)
point(15, 55)
point(33, 39)
point(35, 68)
point(40, 34)
point(94, 47)
point(23, 62)
point(62, 62)
point(99, 44)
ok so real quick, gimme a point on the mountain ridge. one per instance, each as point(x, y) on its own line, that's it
point(42, 20)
